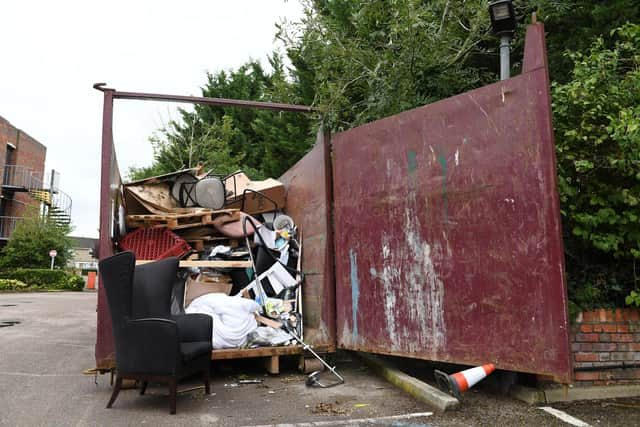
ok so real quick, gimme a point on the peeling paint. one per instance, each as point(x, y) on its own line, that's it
point(512, 202)
point(408, 272)
point(486, 115)
point(355, 292)
point(457, 157)
point(445, 239)
point(390, 168)
point(429, 307)
point(390, 275)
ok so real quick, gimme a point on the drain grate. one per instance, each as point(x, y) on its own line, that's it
point(6, 323)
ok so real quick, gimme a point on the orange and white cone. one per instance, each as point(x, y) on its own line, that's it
point(462, 381)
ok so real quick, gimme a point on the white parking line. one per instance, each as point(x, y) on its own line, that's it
point(565, 417)
point(352, 422)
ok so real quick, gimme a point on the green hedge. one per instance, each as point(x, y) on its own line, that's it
point(39, 278)
point(12, 285)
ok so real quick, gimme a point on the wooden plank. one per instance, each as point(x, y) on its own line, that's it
point(246, 353)
point(209, 264)
point(193, 212)
point(241, 353)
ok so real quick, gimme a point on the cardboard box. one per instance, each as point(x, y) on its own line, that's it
point(195, 289)
point(260, 198)
point(148, 199)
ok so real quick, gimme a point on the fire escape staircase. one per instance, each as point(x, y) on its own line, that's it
point(56, 203)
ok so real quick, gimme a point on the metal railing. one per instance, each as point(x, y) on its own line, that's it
point(62, 202)
point(21, 177)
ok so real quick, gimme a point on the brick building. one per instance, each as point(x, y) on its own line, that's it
point(23, 181)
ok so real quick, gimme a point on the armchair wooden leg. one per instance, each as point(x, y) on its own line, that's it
point(207, 378)
point(173, 391)
point(116, 390)
point(143, 387)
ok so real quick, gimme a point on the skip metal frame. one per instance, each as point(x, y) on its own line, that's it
point(107, 152)
point(107, 132)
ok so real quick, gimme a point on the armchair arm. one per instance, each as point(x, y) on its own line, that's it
point(194, 327)
point(150, 346)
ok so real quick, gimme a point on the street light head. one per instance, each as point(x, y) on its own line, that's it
point(503, 17)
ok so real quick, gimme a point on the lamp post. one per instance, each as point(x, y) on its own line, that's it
point(503, 24)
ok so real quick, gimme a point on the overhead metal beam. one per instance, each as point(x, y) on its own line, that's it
point(221, 102)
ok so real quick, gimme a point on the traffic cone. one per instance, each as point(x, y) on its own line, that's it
point(462, 381)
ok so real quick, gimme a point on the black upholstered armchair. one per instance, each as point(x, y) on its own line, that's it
point(151, 344)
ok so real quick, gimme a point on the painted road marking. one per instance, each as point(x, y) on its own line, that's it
point(355, 422)
point(565, 417)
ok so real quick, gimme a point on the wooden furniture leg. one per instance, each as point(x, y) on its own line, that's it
point(116, 390)
point(173, 391)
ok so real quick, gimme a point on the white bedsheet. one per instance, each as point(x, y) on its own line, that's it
point(232, 318)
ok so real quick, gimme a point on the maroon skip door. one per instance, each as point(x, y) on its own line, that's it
point(447, 230)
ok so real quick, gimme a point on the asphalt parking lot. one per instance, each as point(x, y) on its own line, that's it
point(43, 356)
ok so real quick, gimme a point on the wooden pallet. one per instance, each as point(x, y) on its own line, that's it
point(271, 355)
point(176, 221)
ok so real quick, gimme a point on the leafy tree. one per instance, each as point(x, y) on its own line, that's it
point(261, 142)
point(575, 24)
point(32, 240)
point(365, 60)
point(361, 60)
point(173, 150)
point(597, 120)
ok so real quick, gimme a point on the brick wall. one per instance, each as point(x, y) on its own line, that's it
point(8, 134)
point(604, 340)
point(30, 154)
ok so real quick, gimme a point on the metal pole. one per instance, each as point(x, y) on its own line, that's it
point(505, 60)
point(52, 258)
point(105, 247)
point(203, 100)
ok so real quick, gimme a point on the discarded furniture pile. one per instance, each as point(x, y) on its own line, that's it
point(239, 252)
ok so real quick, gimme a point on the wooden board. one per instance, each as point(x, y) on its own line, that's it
point(242, 353)
point(209, 264)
